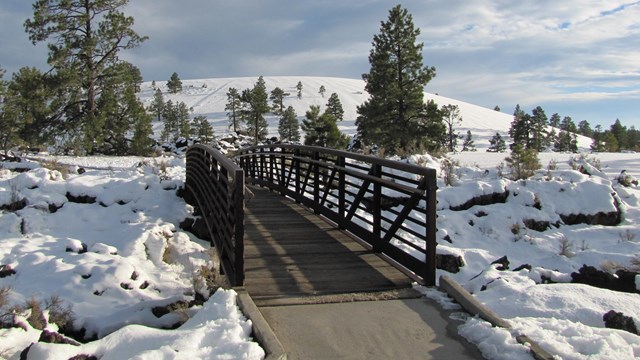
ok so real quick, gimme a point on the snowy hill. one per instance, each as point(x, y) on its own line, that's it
point(208, 97)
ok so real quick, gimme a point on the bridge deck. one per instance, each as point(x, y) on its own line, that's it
point(289, 251)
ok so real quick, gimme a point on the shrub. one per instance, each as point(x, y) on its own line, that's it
point(523, 162)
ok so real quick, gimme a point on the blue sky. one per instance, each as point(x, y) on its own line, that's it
point(579, 58)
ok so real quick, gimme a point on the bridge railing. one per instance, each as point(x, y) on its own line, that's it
point(387, 204)
point(216, 185)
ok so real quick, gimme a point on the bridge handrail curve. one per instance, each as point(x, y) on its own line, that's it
point(387, 204)
point(215, 184)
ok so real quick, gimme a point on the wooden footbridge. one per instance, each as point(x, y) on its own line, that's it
point(292, 220)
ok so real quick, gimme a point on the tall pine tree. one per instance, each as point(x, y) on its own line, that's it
point(288, 126)
point(255, 105)
point(86, 38)
point(334, 107)
point(233, 107)
point(394, 116)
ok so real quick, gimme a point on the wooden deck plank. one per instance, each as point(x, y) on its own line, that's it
point(289, 251)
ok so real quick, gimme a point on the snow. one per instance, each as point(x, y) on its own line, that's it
point(131, 238)
point(113, 260)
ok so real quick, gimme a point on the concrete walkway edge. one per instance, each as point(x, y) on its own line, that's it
point(474, 307)
point(261, 329)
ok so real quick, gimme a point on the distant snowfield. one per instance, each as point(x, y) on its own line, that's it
point(208, 97)
point(137, 258)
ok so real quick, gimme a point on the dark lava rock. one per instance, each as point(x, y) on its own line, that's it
point(618, 320)
point(450, 263)
point(624, 281)
point(503, 263)
point(488, 199)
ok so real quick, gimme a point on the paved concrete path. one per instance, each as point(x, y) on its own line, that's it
point(414, 328)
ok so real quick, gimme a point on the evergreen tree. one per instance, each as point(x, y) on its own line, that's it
point(497, 144)
point(288, 126)
point(184, 121)
point(554, 120)
point(120, 109)
point(567, 124)
point(9, 128)
point(170, 120)
point(496, 108)
point(277, 98)
point(142, 131)
point(538, 130)
point(395, 117)
point(174, 85)
point(620, 133)
point(584, 128)
point(255, 105)
point(86, 39)
point(233, 106)
point(451, 117)
point(322, 90)
point(597, 145)
point(203, 129)
point(26, 114)
point(520, 130)
point(610, 142)
point(334, 107)
point(633, 138)
point(157, 104)
point(299, 89)
point(523, 162)
point(468, 144)
point(322, 130)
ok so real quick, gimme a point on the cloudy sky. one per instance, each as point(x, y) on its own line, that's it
point(579, 58)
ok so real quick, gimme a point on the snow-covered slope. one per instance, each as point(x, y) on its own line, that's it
point(208, 97)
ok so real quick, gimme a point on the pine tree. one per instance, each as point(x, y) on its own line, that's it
point(554, 120)
point(203, 129)
point(322, 130)
point(277, 98)
point(142, 131)
point(157, 104)
point(538, 139)
point(451, 117)
point(520, 127)
point(322, 90)
point(170, 120)
point(468, 144)
point(299, 89)
point(497, 144)
point(174, 85)
point(334, 107)
point(620, 133)
point(184, 121)
point(27, 114)
point(120, 110)
point(255, 105)
point(496, 108)
point(233, 106)
point(584, 128)
point(86, 40)
point(523, 162)
point(394, 117)
point(288, 126)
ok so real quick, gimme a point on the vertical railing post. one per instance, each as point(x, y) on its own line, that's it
point(316, 181)
point(342, 191)
point(296, 162)
point(429, 275)
point(239, 226)
point(377, 208)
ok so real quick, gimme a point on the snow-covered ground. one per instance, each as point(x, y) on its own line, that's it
point(138, 259)
point(115, 262)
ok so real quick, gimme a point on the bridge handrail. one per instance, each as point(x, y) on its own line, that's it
point(215, 184)
point(388, 204)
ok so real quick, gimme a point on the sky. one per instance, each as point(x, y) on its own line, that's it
point(578, 58)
